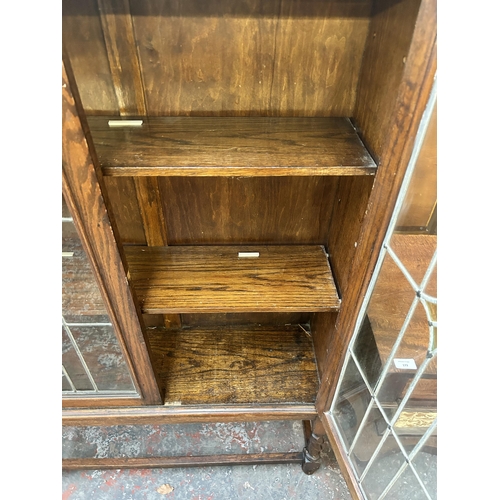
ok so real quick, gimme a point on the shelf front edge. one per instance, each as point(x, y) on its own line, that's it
point(187, 414)
point(203, 171)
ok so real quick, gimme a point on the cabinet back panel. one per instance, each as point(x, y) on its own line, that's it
point(319, 48)
point(232, 210)
point(84, 42)
point(217, 57)
point(193, 320)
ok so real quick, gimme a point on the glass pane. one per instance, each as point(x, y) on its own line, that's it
point(415, 252)
point(370, 437)
point(418, 212)
point(66, 386)
point(409, 356)
point(413, 421)
point(103, 356)
point(95, 347)
point(385, 466)
point(73, 365)
point(353, 401)
point(366, 352)
point(389, 306)
point(80, 294)
point(425, 464)
point(408, 487)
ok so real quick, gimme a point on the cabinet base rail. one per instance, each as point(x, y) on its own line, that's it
point(188, 461)
point(309, 458)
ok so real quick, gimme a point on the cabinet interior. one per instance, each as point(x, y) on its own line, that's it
point(263, 123)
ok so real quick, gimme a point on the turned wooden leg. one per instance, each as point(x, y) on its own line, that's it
point(315, 439)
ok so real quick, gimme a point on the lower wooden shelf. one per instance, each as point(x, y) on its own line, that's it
point(250, 365)
point(213, 279)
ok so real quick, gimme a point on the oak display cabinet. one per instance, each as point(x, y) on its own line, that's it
point(230, 168)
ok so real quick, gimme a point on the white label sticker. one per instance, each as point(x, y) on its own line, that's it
point(124, 123)
point(249, 254)
point(405, 364)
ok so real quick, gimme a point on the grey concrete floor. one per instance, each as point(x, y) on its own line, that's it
point(280, 482)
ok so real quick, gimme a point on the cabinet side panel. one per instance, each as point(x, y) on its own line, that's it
point(230, 210)
point(350, 205)
point(322, 330)
point(388, 44)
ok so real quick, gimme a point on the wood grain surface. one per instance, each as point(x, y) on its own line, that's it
point(186, 414)
point(193, 279)
point(319, 48)
point(187, 461)
point(239, 319)
point(349, 208)
point(118, 33)
point(148, 196)
point(213, 57)
point(231, 146)
point(84, 42)
point(250, 210)
point(387, 48)
point(322, 329)
point(218, 57)
point(125, 207)
point(235, 365)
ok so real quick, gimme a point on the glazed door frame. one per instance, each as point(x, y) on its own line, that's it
point(86, 198)
point(412, 100)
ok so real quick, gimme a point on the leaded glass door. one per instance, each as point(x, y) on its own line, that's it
point(93, 363)
point(385, 407)
point(105, 355)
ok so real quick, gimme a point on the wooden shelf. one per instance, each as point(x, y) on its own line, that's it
point(230, 146)
point(212, 279)
point(235, 365)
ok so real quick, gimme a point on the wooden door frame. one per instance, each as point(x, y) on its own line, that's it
point(412, 99)
point(86, 196)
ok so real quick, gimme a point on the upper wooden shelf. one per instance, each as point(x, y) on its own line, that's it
point(230, 146)
point(201, 279)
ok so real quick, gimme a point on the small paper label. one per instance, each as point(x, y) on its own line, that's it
point(405, 364)
point(124, 123)
point(250, 255)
